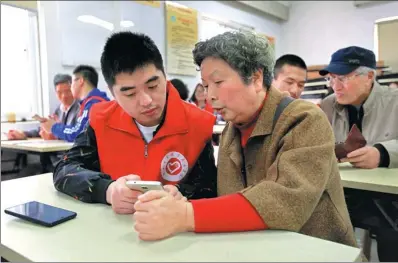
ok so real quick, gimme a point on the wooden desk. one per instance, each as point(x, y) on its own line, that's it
point(37, 145)
point(99, 235)
point(378, 180)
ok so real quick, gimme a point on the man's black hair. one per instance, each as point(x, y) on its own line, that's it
point(288, 59)
point(124, 52)
point(88, 73)
point(181, 88)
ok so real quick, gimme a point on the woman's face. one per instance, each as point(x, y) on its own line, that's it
point(200, 93)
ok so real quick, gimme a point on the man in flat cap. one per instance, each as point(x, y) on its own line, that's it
point(359, 99)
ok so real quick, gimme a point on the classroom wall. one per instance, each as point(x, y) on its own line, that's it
point(51, 50)
point(316, 29)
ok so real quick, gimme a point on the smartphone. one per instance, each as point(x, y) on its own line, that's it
point(42, 214)
point(144, 186)
point(38, 118)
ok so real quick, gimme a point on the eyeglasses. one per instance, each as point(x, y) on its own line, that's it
point(342, 79)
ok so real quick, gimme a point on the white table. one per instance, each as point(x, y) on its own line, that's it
point(99, 235)
point(37, 145)
point(382, 180)
point(217, 129)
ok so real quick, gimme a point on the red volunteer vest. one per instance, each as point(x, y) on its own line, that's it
point(170, 155)
point(209, 108)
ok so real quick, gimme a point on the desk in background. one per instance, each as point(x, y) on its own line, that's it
point(97, 226)
point(381, 185)
point(38, 146)
point(381, 180)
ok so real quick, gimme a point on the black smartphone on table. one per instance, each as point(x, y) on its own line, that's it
point(42, 214)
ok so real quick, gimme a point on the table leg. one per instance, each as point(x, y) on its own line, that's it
point(45, 162)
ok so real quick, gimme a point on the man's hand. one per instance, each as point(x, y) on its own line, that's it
point(173, 190)
point(16, 135)
point(47, 125)
point(54, 117)
point(160, 215)
point(121, 197)
point(367, 157)
point(47, 136)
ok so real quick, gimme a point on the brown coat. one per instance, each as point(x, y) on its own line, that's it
point(292, 173)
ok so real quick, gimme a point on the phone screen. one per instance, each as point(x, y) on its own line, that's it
point(47, 214)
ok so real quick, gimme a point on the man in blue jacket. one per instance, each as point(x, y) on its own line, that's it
point(84, 88)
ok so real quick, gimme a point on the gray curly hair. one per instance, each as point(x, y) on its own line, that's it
point(243, 51)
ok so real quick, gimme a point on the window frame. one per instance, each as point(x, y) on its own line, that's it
point(34, 58)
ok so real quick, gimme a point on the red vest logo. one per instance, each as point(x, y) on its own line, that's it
point(174, 167)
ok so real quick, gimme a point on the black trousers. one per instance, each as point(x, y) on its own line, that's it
point(365, 213)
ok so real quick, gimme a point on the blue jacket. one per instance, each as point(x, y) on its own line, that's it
point(70, 132)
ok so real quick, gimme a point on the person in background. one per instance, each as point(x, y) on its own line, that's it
point(148, 133)
point(359, 99)
point(283, 176)
point(84, 88)
point(290, 75)
point(65, 113)
point(199, 98)
point(181, 88)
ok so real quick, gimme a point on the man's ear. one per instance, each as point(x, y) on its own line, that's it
point(371, 75)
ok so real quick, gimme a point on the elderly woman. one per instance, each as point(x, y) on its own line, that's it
point(281, 175)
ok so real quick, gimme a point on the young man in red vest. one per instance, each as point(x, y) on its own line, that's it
point(147, 133)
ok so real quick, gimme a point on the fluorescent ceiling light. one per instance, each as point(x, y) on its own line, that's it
point(126, 23)
point(96, 21)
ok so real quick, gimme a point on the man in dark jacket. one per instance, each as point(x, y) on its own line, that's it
point(84, 88)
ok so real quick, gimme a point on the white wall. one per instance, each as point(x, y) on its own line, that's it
point(51, 35)
point(51, 53)
point(317, 29)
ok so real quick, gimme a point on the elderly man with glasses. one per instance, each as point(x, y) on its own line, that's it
point(359, 99)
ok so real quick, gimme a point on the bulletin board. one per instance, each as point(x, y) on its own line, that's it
point(181, 37)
